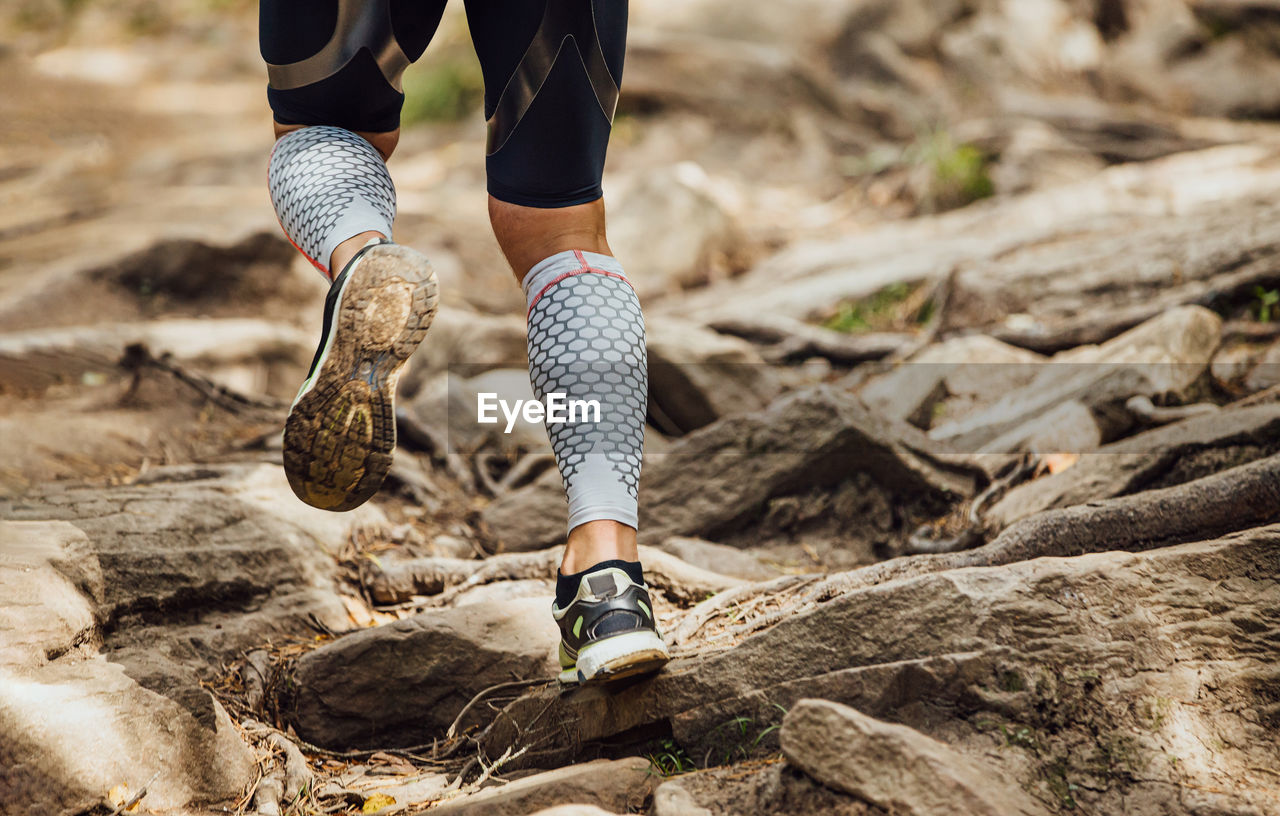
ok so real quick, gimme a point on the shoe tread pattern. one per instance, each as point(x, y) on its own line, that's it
point(341, 434)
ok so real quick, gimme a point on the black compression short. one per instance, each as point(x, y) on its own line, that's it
point(551, 75)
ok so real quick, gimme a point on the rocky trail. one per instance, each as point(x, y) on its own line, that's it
point(962, 480)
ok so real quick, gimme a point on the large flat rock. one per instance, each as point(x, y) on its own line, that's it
point(697, 376)
point(1072, 676)
point(196, 563)
point(620, 786)
point(73, 724)
point(403, 683)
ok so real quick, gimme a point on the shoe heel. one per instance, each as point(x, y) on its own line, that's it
point(622, 656)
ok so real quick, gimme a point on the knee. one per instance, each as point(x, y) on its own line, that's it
point(385, 142)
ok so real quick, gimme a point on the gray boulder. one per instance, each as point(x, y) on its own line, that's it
point(199, 563)
point(950, 380)
point(531, 518)
point(73, 723)
point(776, 788)
point(722, 478)
point(1266, 371)
point(1162, 358)
point(403, 683)
point(697, 376)
point(670, 231)
point(182, 571)
point(894, 767)
point(673, 799)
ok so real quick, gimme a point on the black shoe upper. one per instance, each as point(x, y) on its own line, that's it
point(605, 612)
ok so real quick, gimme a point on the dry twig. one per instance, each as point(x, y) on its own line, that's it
point(136, 798)
point(453, 728)
point(256, 674)
point(138, 358)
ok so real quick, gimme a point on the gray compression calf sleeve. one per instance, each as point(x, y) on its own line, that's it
point(586, 342)
point(327, 185)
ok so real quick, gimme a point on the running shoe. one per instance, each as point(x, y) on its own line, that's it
point(607, 631)
point(341, 430)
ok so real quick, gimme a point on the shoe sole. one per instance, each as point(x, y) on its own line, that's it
point(618, 657)
point(341, 431)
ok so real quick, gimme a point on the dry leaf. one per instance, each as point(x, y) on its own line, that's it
point(377, 802)
point(1058, 462)
point(118, 795)
point(396, 763)
point(357, 612)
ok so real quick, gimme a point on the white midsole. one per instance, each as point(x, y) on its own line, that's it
point(612, 653)
point(328, 341)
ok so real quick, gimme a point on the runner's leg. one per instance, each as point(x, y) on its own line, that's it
point(552, 71)
point(335, 68)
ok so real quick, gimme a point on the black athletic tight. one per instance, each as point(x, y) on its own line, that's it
point(552, 69)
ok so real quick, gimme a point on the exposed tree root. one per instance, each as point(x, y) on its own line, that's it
point(443, 579)
point(266, 799)
point(925, 540)
point(787, 340)
point(679, 580)
point(480, 463)
point(1148, 413)
point(297, 776)
point(1250, 330)
point(1267, 395)
point(256, 675)
point(528, 468)
point(294, 776)
point(520, 684)
point(412, 752)
point(1236, 499)
point(1101, 325)
point(701, 614)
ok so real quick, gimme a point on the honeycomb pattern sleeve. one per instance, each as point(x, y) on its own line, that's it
point(328, 185)
point(587, 343)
